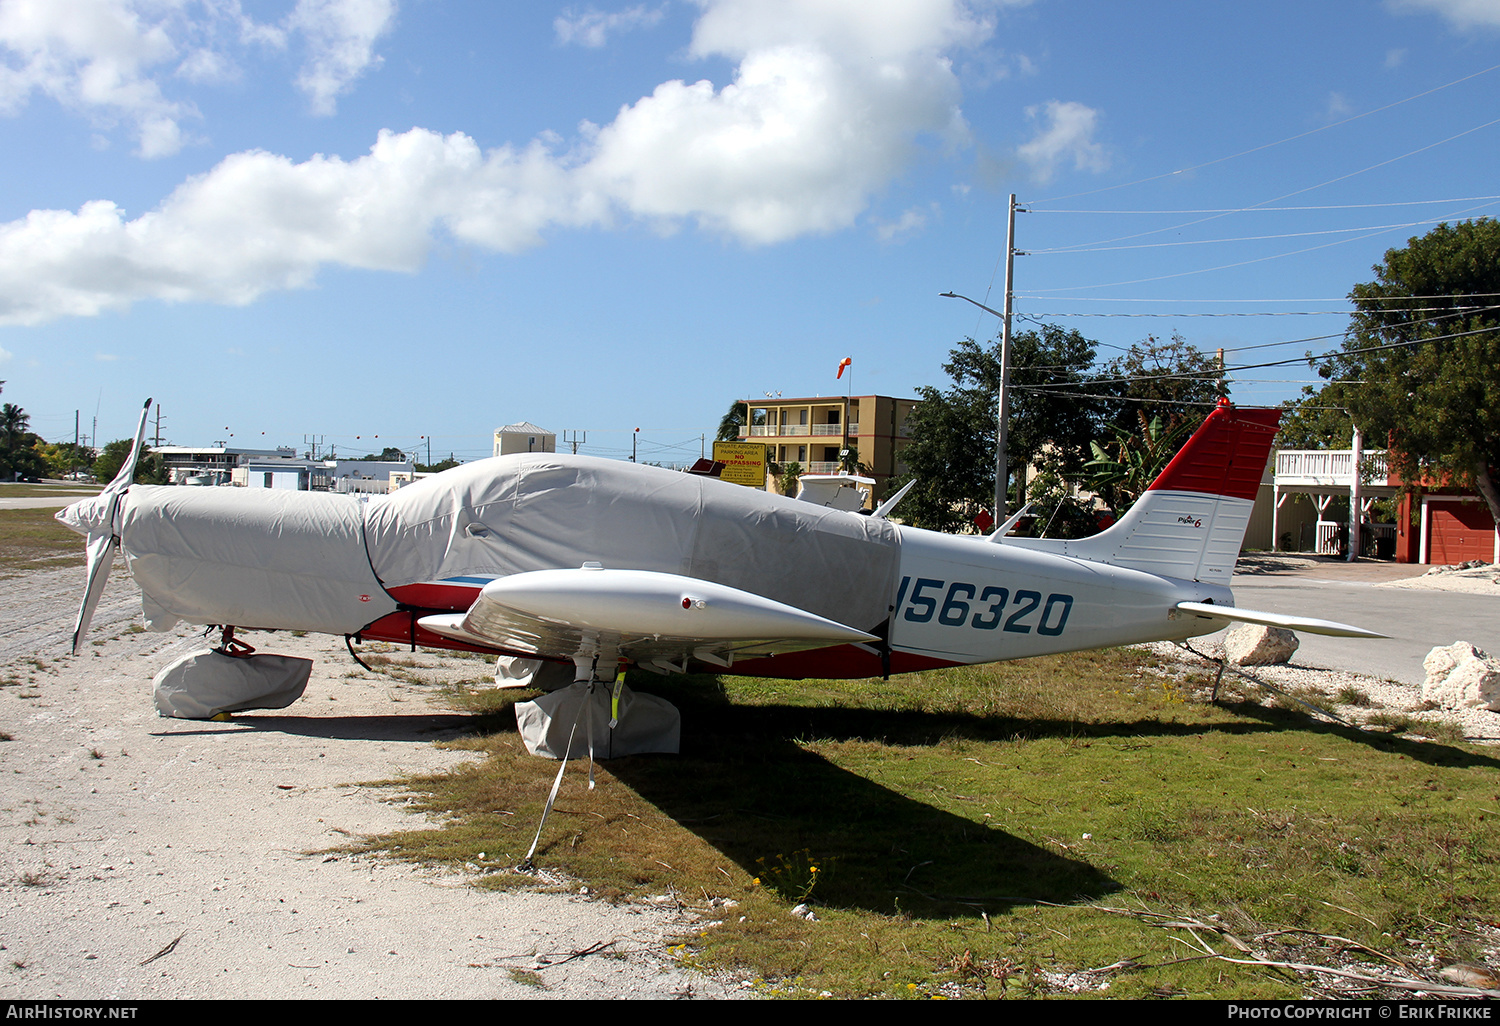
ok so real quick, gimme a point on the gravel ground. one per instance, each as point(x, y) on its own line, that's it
point(1380, 696)
point(153, 858)
point(1471, 579)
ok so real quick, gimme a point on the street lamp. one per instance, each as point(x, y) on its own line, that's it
point(1002, 412)
point(1002, 406)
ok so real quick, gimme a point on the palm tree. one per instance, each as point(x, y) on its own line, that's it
point(14, 422)
point(1124, 475)
point(730, 424)
point(13, 425)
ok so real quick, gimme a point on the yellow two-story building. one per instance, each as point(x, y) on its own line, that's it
point(813, 431)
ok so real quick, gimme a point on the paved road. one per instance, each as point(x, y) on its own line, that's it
point(1416, 620)
point(40, 501)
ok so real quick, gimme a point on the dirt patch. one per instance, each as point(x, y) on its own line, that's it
point(153, 858)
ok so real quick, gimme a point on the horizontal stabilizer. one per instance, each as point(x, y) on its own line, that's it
point(1309, 624)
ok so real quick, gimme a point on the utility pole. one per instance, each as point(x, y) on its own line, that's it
point(1002, 403)
point(577, 437)
point(1355, 499)
point(1002, 414)
point(633, 436)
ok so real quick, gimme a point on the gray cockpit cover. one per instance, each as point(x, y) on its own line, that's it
point(542, 511)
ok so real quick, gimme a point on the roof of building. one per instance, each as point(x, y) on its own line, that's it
point(525, 427)
point(815, 399)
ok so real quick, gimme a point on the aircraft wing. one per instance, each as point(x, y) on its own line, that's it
point(656, 619)
point(1309, 624)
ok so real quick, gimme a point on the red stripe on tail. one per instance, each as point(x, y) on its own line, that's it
point(1226, 455)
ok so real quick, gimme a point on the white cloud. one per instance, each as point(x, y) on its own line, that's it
point(826, 103)
point(258, 221)
point(820, 116)
point(1395, 58)
point(341, 37)
point(111, 60)
point(1066, 134)
point(1463, 14)
point(592, 27)
point(96, 56)
point(911, 220)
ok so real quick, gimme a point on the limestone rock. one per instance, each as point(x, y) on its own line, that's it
point(1460, 676)
point(1255, 645)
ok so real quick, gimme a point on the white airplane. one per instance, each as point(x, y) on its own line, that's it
point(599, 563)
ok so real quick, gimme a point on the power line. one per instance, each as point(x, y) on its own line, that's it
point(1279, 142)
point(1335, 299)
point(1090, 248)
point(1035, 318)
point(1218, 372)
point(1223, 267)
point(1298, 192)
point(1263, 209)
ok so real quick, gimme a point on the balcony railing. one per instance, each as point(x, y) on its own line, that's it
point(821, 467)
point(800, 430)
point(1332, 468)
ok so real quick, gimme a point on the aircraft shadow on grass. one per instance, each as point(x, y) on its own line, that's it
point(747, 784)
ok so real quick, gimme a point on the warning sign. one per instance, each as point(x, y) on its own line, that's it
point(744, 462)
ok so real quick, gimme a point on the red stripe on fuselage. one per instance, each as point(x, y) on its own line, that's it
point(837, 662)
point(435, 597)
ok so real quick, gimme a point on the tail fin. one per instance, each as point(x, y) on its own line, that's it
point(1191, 522)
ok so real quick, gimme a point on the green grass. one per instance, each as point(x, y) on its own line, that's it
point(32, 539)
point(968, 832)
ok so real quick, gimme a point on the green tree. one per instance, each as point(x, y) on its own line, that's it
point(1123, 469)
point(438, 467)
point(390, 454)
point(149, 468)
point(1318, 420)
point(1171, 379)
point(952, 457)
point(19, 456)
point(791, 473)
point(952, 452)
point(731, 422)
point(1424, 347)
point(14, 422)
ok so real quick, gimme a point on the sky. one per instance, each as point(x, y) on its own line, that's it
point(411, 222)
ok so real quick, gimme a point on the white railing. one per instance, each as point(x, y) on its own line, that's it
point(784, 431)
point(1332, 467)
point(853, 427)
point(822, 467)
point(1372, 536)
